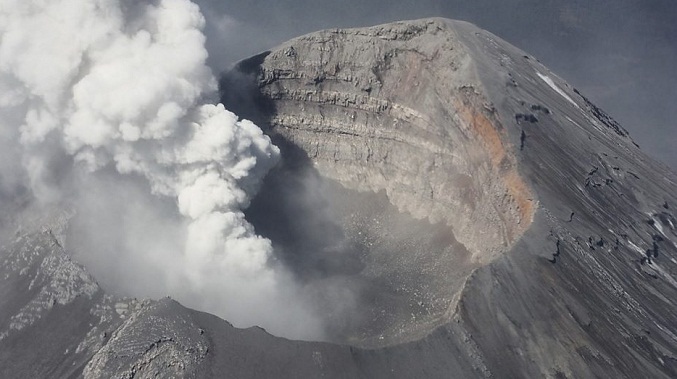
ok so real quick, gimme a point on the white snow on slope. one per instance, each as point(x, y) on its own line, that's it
point(554, 86)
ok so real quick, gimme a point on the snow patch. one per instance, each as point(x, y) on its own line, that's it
point(635, 247)
point(668, 278)
point(657, 224)
point(554, 86)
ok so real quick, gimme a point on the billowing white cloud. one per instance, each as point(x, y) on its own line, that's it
point(116, 87)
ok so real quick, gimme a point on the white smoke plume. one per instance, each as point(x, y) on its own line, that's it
point(100, 102)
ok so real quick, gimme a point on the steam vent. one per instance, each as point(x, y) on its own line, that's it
point(457, 210)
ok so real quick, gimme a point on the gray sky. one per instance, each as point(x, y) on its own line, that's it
point(622, 54)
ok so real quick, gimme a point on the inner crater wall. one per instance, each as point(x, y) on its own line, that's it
point(399, 161)
point(399, 108)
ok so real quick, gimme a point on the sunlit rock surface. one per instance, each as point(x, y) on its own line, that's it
point(493, 223)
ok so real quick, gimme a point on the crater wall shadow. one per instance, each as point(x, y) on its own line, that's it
point(376, 275)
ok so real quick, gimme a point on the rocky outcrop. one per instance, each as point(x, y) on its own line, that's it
point(55, 321)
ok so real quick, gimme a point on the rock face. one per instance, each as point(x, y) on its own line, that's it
point(57, 322)
point(489, 219)
point(399, 110)
point(569, 223)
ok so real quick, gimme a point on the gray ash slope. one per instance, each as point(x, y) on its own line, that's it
point(544, 239)
point(571, 224)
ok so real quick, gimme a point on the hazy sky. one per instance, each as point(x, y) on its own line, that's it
point(622, 54)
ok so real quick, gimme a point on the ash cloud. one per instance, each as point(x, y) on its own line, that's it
point(103, 105)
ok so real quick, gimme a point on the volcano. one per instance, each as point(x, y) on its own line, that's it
point(457, 209)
